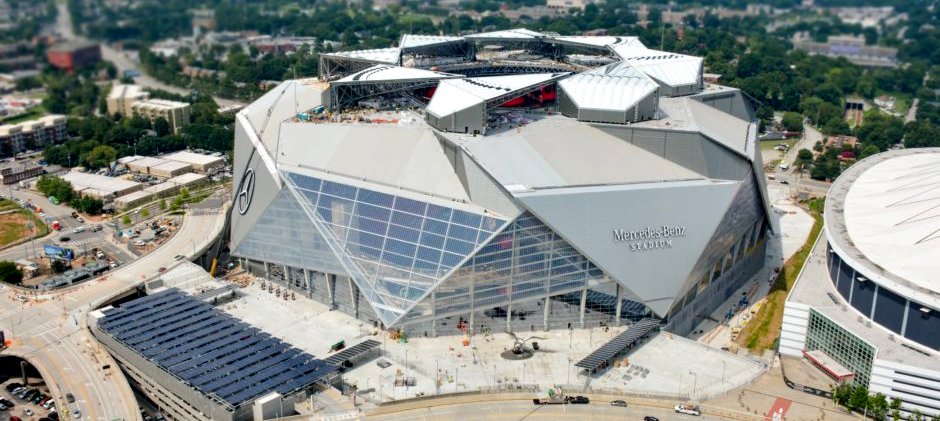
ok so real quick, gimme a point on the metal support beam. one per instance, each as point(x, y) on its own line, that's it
point(583, 304)
point(619, 305)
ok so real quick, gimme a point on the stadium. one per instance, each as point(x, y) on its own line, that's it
point(503, 180)
point(866, 307)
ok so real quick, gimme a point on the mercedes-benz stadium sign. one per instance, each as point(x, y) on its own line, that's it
point(247, 190)
point(649, 238)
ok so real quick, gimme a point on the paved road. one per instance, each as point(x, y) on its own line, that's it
point(52, 334)
point(123, 62)
point(518, 410)
point(79, 242)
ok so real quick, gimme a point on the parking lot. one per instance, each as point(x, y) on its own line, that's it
point(30, 402)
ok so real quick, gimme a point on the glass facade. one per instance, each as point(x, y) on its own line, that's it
point(843, 346)
point(526, 261)
point(396, 248)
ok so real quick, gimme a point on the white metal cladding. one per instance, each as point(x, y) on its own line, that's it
point(586, 217)
point(281, 103)
point(618, 87)
point(520, 33)
point(408, 157)
point(380, 55)
point(411, 40)
point(382, 72)
point(455, 95)
point(667, 68)
point(601, 41)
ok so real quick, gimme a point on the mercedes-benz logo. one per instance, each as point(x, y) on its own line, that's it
point(247, 191)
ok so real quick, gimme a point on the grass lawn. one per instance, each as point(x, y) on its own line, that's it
point(766, 145)
point(13, 226)
point(763, 331)
point(36, 112)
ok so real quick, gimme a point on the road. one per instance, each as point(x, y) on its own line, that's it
point(52, 334)
point(802, 182)
point(518, 410)
point(122, 62)
point(79, 242)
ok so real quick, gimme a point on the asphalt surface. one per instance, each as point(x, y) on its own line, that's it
point(522, 410)
point(79, 242)
point(53, 335)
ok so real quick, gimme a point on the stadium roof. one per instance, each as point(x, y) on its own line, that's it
point(413, 41)
point(688, 114)
point(381, 55)
point(891, 214)
point(210, 351)
point(279, 104)
point(386, 73)
point(395, 155)
point(618, 86)
point(667, 68)
point(603, 41)
point(518, 34)
point(453, 95)
point(557, 151)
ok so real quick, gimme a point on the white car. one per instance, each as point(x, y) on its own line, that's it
point(28, 412)
point(688, 409)
point(76, 414)
point(79, 229)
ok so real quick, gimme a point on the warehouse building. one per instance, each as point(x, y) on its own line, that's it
point(100, 187)
point(869, 297)
point(198, 363)
point(163, 190)
point(170, 169)
point(414, 185)
point(200, 162)
point(72, 55)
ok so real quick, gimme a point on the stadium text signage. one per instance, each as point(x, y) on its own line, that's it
point(649, 238)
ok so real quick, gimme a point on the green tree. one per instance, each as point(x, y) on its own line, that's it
point(126, 220)
point(51, 185)
point(163, 204)
point(869, 150)
point(145, 213)
point(859, 398)
point(59, 266)
point(804, 157)
point(9, 273)
point(184, 194)
point(100, 157)
point(895, 407)
point(161, 126)
point(792, 122)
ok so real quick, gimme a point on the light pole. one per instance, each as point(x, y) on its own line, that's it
point(406, 368)
point(523, 373)
point(694, 384)
point(437, 377)
point(494, 376)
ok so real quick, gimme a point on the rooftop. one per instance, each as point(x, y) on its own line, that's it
point(216, 354)
point(29, 125)
point(193, 158)
point(127, 91)
point(100, 183)
point(884, 212)
point(160, 104)
point(71, 46)
point(814, 288)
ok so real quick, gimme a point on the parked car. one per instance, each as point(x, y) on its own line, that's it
point(70, 398)
point(178, 257)
point(28, 412)
point(688, 409)
point(76, 414)
point(649, 418)
point(618, 402)
point(161, 270)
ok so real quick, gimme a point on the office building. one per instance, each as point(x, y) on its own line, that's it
point(73, 55)
point(868, 297)
point(524, 191)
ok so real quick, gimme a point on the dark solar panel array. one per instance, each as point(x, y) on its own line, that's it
point(352, 352)
point(209, 350)
point(618, 344)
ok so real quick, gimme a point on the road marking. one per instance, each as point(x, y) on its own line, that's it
point(778, 410)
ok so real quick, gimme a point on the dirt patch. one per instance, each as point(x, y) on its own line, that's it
point(13, 228)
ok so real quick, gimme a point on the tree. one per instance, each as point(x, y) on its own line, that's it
point(9, 273)
point(145, 213)
point(100, 156)
point(869, 150)
point(792, 122)
point(859, 398)
point(184, 194)
point(59, 266)
point(51, 185)
point(895, 407)
point(126, 220)
point(163, 204)
point(804, 157)
point(161, 126)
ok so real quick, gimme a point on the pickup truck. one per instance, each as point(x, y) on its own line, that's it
point(688, 409)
